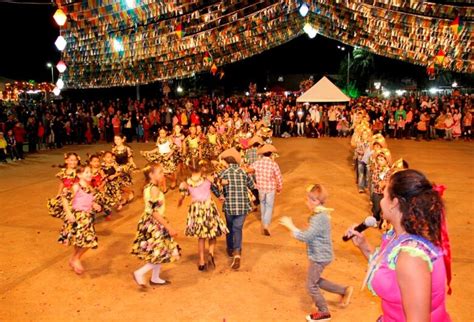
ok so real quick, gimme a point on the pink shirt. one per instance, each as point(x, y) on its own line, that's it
point(82, 200)
point(202, 192)
point(383, 280)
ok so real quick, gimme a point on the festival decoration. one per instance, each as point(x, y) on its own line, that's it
point(456, 26)
point(213, 69)
point(60, 83)
point(61, 66)
point(56, 91)
point(13, 90)
point(60, 17)
point(149, 51)
point(60, 43)
point(179, 31)
point(440, 57)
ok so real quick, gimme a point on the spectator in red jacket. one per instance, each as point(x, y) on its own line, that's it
point(19, 132)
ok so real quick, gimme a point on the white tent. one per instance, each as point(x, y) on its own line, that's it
point(324, 91)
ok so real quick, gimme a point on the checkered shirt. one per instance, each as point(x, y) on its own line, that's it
point(236, 196)
point(251, 155)
point(268, 175)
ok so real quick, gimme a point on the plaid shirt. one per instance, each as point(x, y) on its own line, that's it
point(268, 175)
point(236, 196)
point(317, 238)
point(251, 155)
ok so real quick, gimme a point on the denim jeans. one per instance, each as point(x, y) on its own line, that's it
point(315, 283)
point(267, 200)
point(362, 180)
point(376, 209)
point(234, 237)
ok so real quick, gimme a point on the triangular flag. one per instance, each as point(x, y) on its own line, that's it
point(440, 57)
point(179, 31)
point(214, 69)
point(456, 26)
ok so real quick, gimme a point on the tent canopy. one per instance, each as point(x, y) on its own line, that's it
point(324, 91)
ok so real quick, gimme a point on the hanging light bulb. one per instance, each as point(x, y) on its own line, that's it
point(310, 30)
point(304, 9)
point(60, 43)
point(61, 66)
point(60, 83)
point(60, 17)
point(56, 91)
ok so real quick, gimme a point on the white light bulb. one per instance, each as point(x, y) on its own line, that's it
point(60, 83)
point(60, 43)
point(304, 10)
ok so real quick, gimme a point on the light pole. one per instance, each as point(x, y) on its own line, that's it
point(342, 48)
point(49, 65)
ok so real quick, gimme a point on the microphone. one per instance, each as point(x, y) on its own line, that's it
point(370, 221)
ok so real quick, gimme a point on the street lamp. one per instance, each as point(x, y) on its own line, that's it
point(342, 48)
point(50, 66)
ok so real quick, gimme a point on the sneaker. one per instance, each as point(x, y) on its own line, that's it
point(318, 316)
point(235, 262)
point(346, 298)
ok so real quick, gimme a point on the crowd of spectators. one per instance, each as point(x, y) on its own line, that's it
point(53, 125)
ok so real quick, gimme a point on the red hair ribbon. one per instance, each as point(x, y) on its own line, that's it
point(445, 244)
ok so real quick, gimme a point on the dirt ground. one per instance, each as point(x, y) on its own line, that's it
point(37, 283)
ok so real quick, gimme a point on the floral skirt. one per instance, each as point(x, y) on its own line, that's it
point(55, 205)
point(203, 220)
point(110, 197)
point(80, 233)
point(210, 151)
point(153, 243)
point(168, 164)
point(192, 154)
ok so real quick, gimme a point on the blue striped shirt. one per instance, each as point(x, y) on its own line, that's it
point(317, 238)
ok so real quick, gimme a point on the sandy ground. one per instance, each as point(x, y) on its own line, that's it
point(37, 284)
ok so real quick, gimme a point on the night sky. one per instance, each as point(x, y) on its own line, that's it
point(28, 33)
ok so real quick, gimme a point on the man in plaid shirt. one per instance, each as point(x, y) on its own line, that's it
point(235, 182)
point(269, 182)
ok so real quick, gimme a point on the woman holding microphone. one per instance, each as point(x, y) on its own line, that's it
point(408, 270)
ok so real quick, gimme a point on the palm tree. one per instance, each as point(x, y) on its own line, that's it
point(361, 67)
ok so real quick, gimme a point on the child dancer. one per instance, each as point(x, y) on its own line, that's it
point(78, 228)
point(124, 158)
point(380, 176)
point(320, 252)
point(235, 182)
point(203, 219)
point(98, 182)
point(163, 154)
point(212, 144)
point(154, 241)
point(67, 178)
point(178, 139)
point(192, 147)
point(112, 190)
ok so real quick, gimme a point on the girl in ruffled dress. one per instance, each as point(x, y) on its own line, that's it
point(203, 220)
point(67, 177)
point(164, 155)
point(154, 242)
point(78, 229)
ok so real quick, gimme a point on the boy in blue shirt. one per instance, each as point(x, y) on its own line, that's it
point(320, 253)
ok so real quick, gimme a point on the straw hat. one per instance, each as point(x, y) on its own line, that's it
point(378, 138)
point(267, 148)
point(256, 139)
point(232, 152)
point(398, 166)
point(385, 153)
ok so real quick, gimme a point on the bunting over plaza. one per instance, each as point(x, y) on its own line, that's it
point(125, 42)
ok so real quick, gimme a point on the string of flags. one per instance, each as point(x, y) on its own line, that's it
point(115, 43)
